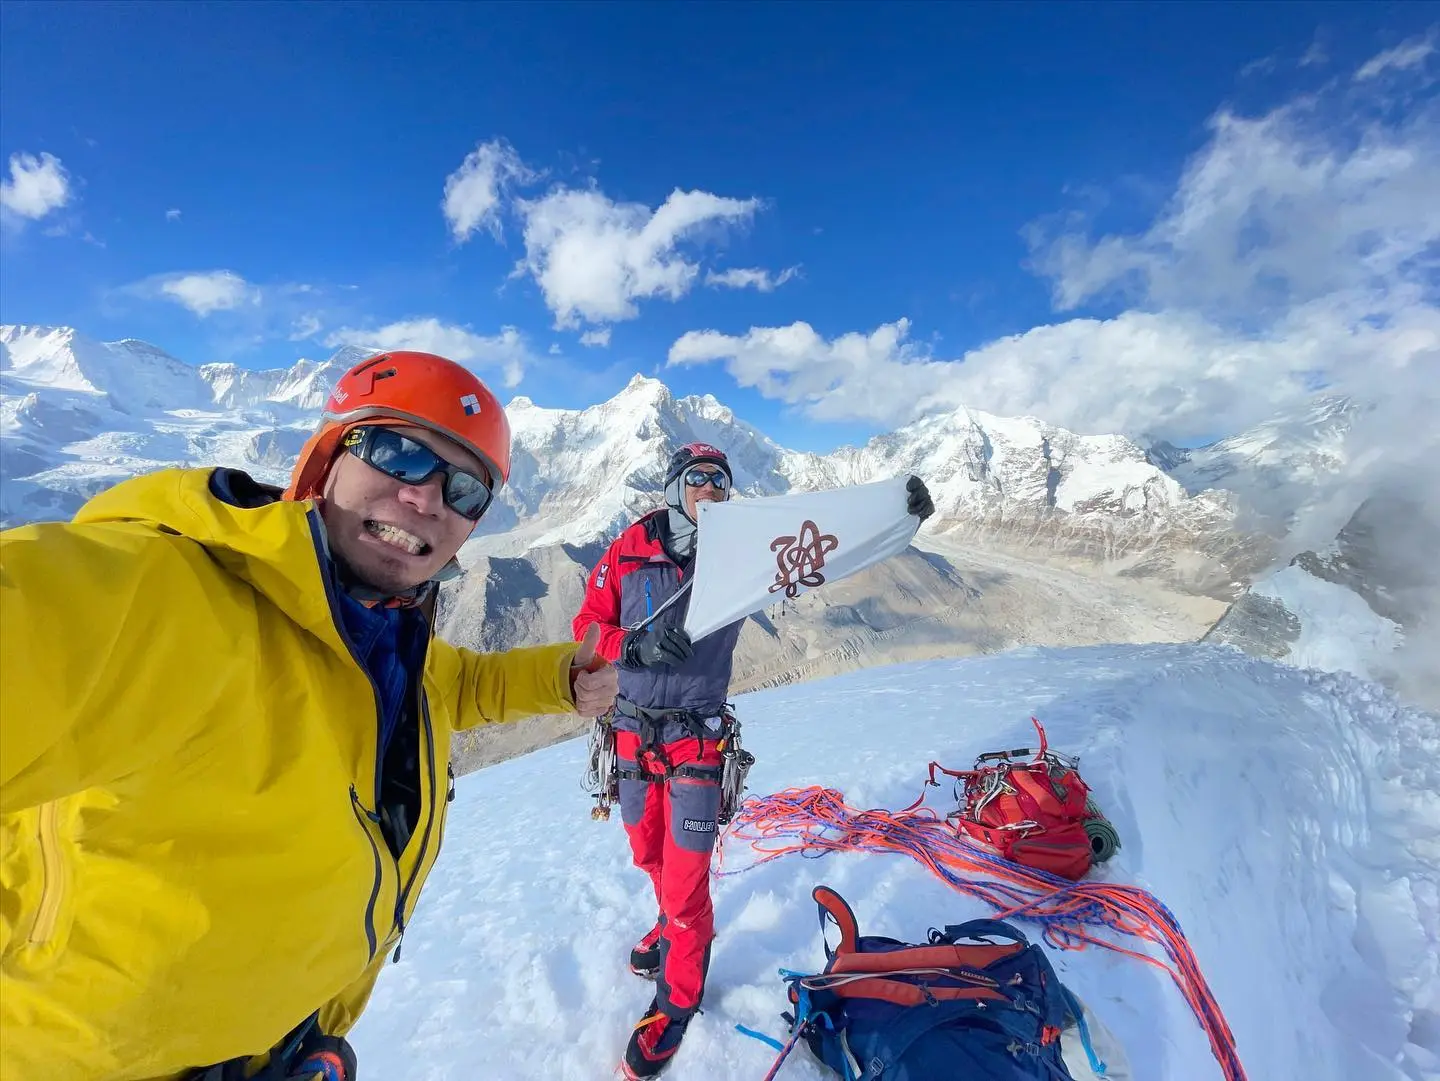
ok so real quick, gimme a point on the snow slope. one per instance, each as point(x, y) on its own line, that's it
point(1289, 819)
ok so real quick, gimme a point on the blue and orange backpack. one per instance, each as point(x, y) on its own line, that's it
point(976, 1002)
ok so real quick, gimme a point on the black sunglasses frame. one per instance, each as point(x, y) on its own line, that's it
point(361, 442)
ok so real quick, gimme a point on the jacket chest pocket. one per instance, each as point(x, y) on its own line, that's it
point(645, 589)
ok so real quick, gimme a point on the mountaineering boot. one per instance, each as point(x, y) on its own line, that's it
point(645, 954)
point(653, 1043)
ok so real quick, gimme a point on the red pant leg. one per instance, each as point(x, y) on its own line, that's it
point(642, 810)
point(692, 805)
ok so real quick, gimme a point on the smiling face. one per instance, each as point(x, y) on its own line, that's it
point(708, 494)
point(393, 536)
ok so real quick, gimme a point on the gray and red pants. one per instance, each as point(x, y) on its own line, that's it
point(671, 823)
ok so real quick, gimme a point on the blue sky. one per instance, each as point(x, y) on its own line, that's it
point(1099, 214)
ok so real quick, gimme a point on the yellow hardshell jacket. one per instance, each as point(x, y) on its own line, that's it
point(189, 861)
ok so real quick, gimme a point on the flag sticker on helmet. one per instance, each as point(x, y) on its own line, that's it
point(471, 404)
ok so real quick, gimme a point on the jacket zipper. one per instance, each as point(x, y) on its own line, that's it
point(52, 888)
point(425, 837)
point(360, 815)
point(339, 623)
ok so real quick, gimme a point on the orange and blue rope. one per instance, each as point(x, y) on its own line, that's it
point(1072, 915)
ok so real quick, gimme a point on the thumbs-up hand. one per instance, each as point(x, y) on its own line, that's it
point(593, 680)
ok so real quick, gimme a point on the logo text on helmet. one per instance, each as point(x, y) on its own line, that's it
point(470, 404)
point(340, 395)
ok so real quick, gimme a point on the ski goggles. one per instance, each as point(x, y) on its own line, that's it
point(698, 478)
point(412, 462)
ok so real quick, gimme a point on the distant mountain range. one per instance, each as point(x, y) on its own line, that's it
point(77, 415)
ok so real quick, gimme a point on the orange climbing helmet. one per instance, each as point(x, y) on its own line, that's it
point(413, 388)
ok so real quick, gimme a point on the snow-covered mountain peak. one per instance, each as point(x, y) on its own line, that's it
point(135, 376)
point(1275, 468)
point(107, 410)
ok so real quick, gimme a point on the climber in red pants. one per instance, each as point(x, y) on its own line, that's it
point(669, 719)
point(668, 725)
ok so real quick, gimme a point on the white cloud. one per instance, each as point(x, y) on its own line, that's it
point(172, 214)
point(1406, 55)
point(306, 326)
point(555, 349)
point(750, 278)
point(1264, 66)
point(36, 186)
point(835, 379)
point(475, 191)
point(594, 258)
point(1300, 249)
point(203, 294)
point(1315, 55)
point(505, 351)
point(599, 338)
point(1273, 211)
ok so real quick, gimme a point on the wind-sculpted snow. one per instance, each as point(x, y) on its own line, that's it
point(1289, 819)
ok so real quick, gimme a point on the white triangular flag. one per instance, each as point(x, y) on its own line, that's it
point(752, 552)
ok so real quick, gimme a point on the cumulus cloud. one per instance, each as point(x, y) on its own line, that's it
point(506, 351)
point(593, 258)
point(204, 294)
point(172, 214)
point(597, 338)
point(36, 187)
point(476, 191)
point(1299, 250)
point(750, 278)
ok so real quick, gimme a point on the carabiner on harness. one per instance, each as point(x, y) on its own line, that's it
point(735, 763)
point(602, 773)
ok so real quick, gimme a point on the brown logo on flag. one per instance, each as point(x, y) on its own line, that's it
point(800, 559)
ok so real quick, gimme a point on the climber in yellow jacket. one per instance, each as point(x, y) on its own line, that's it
point(225, 730)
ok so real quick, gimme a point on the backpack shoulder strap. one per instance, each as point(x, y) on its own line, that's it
point(981, 929)
point(834, 907)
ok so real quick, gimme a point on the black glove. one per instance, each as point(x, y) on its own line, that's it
point(326, 1058)
point(651, 646)
point(917, 500)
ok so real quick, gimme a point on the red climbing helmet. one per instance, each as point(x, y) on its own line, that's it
point(693, 454)
point(414, 388)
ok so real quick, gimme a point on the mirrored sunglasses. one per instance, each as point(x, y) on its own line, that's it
point(412, 462)
point(698, 478)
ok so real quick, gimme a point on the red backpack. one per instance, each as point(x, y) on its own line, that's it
point(1032, 811)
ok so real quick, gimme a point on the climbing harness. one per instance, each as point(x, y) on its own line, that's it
point(603, 773)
